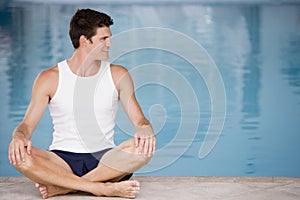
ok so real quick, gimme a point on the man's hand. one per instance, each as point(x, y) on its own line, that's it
point(145, 140)
point(17, 146)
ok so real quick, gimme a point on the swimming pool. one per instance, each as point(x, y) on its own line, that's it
point(255, 50)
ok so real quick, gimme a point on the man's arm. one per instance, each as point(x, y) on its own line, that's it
point(39, 99)
point(144, 137)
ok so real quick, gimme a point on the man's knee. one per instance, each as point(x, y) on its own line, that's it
point(28, 162)
point(132, 151)
point(144, 159)
point(127, 145)
point(124, 159)
point(25, 164)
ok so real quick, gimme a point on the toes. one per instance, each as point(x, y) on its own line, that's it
point(43, 190)
point(132, 195)
point(44, 193)
point(44, 196)
point(134, 190)
point(40, 186)
point(135, 183)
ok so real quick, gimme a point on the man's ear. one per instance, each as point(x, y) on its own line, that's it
point(83, 41)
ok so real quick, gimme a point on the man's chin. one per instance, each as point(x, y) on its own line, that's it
point(103, 58)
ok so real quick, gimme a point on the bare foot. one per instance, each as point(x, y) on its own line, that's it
point(126, 189)
point(50, 190)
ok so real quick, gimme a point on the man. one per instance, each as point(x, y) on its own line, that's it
point(72, 164)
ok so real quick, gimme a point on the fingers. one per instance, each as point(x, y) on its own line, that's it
point(152, 146)
point(17, 151)
point(150, 153)
point(147, 146)
point(11, 155)
point(20, 156)
point(136, 141)
point(29, 145)
point(145, 140)
point(141, 145)
point(15, 156)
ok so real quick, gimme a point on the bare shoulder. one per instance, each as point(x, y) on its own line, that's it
point(47, 75)
point(121, 76)
point(118, 72)
point(47, 80)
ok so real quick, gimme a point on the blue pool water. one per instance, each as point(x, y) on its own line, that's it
point(249, 79)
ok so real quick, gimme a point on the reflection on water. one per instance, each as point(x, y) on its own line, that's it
point(290, 68)
point(256, 48)
point(251, 86)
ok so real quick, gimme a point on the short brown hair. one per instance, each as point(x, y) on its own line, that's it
point(85, 22)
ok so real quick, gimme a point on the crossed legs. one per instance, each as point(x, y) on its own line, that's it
point(55, 177)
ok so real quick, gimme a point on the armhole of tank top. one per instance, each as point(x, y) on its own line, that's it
point(58, 85)
point(112, 81)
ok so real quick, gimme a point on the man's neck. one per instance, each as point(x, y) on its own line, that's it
point(82, 65)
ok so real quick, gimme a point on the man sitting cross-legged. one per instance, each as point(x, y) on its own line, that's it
point(80, 92)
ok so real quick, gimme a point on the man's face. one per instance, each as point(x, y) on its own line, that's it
point(101, 43)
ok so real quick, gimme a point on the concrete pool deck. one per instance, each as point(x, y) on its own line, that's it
point(161, 188)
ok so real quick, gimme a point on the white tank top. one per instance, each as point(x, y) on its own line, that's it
point(83, 111)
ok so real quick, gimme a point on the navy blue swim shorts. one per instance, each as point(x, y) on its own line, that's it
point(82, 163)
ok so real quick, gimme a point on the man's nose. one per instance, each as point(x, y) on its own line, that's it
point(108, 42)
